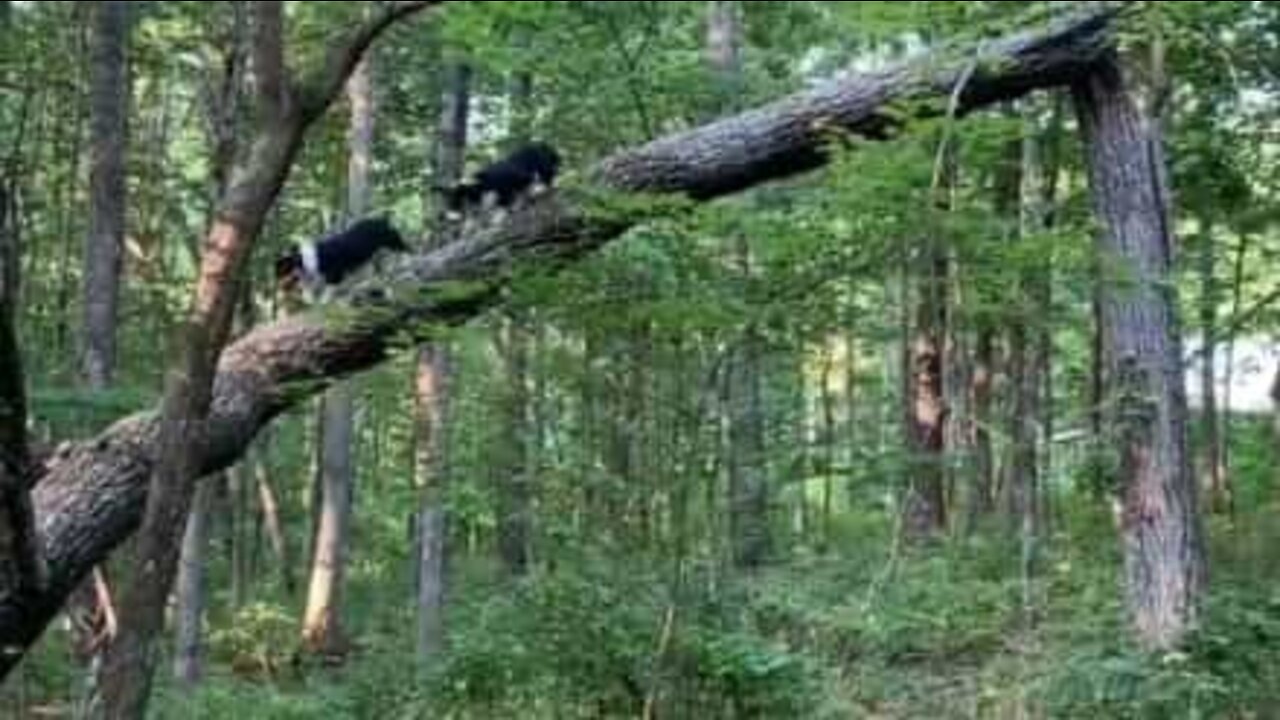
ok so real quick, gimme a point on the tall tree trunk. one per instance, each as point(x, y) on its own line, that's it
point(1215, 471)
point(104, 247)
point(104, 244)
point(433, 389)
point(20, 555)
point(322, 626)
point(1046, 153)
point(1163, 548)
point(748, 493)
point(924, 507)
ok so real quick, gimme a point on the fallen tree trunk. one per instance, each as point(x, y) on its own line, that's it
point(93, 493)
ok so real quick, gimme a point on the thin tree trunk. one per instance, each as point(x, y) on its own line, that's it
point(1229, 373)
point(748, 493)
point(1219, 490)
point(192, 590)
point(981, 499)
point(322, 626)
point(1164, 555)
point(269, 504)
point(67, 197)
point(433, 391)
point(515, 476)
point(238, 481)
point(748, 486)
point(104, 248)
point(828, 444)
point(1049, 153)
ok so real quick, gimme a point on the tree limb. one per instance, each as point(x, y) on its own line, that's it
point(269, 67)
point(318, 90)
point(93, 496)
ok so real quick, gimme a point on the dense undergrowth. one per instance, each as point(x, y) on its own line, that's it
point(872, 631)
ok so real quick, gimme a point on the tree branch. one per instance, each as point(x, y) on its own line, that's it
point(269, 66)
point(319, 89)
point(93, 496)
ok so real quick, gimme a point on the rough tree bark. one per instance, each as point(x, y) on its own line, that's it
point(288, 107)
point(104, 247)
point(93, 495)
point(1163, 550)
point(322, 625)
point(433, 386)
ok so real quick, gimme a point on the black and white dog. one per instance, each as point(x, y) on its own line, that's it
point(528, 170)
point(321, 264)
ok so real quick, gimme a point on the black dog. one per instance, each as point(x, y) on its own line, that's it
point(329, 261)
point(527, 170)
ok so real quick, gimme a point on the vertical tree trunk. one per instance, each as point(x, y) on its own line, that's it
point(433, 388)
point(1215, 471)
point(748, 491)
point(1229, 372)
point(20, 565)
point(1238, 276)
point(1163, 550)
point(1046, 153)
point(925, 503)
point(191, 591)
point(322, 626)
point(274, 524)
point(514, 492)
point(104, 248)
point(828, 402)
point(981, 500)
point(238, 482)
point(104, 244)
